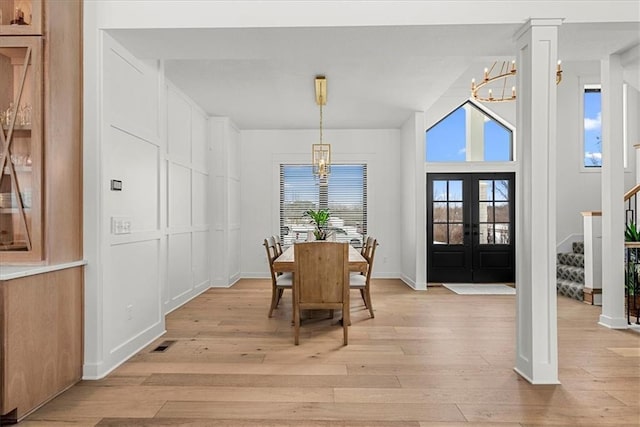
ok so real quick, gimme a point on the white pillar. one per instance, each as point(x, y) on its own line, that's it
point(475, 134)
point(536, 319)
point(613, 315)
point(592, 231)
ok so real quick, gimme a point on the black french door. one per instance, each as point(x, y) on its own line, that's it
point(471, 227)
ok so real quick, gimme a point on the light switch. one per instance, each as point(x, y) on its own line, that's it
point(120, 225)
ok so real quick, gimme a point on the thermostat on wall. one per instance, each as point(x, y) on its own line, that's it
point(116, 185)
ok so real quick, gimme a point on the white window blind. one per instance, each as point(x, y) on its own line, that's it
point(344, 193)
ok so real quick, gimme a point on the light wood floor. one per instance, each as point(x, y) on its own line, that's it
point(429, 358)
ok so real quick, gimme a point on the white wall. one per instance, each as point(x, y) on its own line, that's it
point(151, 138)
point(262, 151)
point(413, 197)
point(225, 201)
point(579, 189)
point(187, 223)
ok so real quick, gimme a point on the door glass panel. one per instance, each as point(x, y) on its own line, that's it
point(502, 212)
point(440, 234)
point(448, 212)
point(440, 212)
point(486, 212)
point(485, 189)
point(439, 190)
point(486, 234)
point(493, 207)
point(455, 191)
point(455, 234)
point(455, 212)
point(502, 234)
point(501, 190)
point(16, 113)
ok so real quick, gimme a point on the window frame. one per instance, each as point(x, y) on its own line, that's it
point(487, 112)
point(323, 195)
point(586, 85)
point(594, 82)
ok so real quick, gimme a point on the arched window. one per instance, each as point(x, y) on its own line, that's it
point(469, 134)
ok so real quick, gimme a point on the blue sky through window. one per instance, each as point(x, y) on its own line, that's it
point(446, 140)
point(592, 128)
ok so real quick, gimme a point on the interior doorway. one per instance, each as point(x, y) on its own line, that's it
point(471, 227)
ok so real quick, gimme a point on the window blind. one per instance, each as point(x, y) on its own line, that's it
point(344, 193)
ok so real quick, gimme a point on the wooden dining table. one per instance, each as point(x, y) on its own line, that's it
point(286, 262)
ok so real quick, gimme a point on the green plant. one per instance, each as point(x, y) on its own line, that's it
point(631, 233)
point(320, 219)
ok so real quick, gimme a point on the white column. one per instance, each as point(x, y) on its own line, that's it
point(536, 319)
point(475, 134)
point(592, 231)
point(613, 315)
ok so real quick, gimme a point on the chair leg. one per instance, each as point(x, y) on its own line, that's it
point(296, 324)
point(367, 300)
point(280, 292)
point(274, 300)
point(364, 298)
point(346, 321)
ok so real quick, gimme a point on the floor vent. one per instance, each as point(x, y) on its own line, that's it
point(163, 347)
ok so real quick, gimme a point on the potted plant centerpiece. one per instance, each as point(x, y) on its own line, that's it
point(320, 220)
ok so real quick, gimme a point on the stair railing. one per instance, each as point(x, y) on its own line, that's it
point(632, 258)
point(632, 281)
point(631, 205)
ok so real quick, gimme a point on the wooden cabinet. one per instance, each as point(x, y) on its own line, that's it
point(40, 142)
point(21, 148)
point(20, 17)
point(41, 338)
point(41, 314)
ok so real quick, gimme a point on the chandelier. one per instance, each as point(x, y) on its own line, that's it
point(493, 87)
point(321, 153)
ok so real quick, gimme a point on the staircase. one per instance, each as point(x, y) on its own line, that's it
point(570, 272)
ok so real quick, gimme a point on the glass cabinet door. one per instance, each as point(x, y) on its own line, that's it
point(21, 17)
point(20, 149)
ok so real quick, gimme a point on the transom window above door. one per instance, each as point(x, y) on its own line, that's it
point(469, 134)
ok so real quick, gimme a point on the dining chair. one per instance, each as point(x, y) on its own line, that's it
point(278, 245)
point(321, 281)
point(366, 242)
point(362, 281)
point(279, 281)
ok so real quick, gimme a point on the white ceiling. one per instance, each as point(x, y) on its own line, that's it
point(263, 78)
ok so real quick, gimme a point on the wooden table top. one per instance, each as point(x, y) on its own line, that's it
point(286, 261)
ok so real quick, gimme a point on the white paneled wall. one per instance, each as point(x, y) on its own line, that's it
point(225, 185)
point(126, 310)
point(187, 221)
point(155, 141)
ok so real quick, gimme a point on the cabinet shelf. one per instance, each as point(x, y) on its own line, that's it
point(13, 210)
point(32, 14)
point(19, 169)
point(16, 128)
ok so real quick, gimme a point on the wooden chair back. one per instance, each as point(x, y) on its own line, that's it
point(321, 280)
point(278, 245)
point(365, 244)
point(369, 256)
point(270, 246)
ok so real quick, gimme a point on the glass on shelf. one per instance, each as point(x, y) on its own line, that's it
point(20, 110)
point(21, 17)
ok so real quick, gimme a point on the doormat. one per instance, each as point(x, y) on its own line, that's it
point(480, 289)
